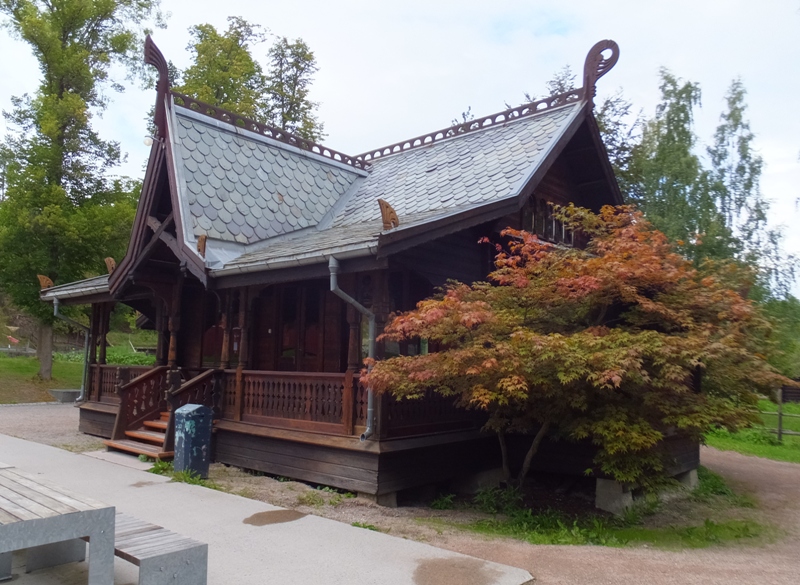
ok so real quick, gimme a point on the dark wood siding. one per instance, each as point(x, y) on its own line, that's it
point(190, 337)
point(458, 256)
point(345, 469)
point(97, 419)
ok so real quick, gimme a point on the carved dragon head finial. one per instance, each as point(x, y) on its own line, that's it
point(111, 265)
point(597, 65)
point(154, 57)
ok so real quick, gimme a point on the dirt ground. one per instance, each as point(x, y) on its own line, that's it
point(774, 485)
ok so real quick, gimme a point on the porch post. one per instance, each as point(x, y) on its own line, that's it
point(93, 329)
point(381, 308)
point(225, 355)
point(175, 320)
point(244, 351)
point(161, 343)
point(353, 362)
point(105, 317)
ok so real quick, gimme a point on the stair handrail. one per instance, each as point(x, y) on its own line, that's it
point(124, 421)
point(177, 392)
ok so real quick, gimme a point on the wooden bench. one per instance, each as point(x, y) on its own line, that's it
point(163, 557)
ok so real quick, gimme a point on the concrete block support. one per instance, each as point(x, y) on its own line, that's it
point(388, 500)
point(688, 479)
point(612, 496)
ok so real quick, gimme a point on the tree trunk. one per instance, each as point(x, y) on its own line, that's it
point(44, 351)
point(537, 440)
point(501, 436)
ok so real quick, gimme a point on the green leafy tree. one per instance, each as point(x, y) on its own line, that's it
point(672, 187)
point(291, 71)
point(63, 214)
point(735, 176)
point(606, 344)
point(223, 71)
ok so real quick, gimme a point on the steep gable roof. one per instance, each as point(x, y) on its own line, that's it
point(247, 197)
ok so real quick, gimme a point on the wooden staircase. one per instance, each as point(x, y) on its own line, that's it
point(143, 425)
point(149, 439)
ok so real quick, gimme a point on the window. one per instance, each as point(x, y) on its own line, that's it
point(537, 218)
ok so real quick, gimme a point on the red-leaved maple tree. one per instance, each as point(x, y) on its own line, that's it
point(622, 342)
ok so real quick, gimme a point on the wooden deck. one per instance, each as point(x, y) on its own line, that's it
point(300, 425)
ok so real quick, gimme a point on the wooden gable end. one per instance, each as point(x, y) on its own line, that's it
point(156, 233)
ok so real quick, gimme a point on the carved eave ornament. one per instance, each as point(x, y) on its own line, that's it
point(44, 281)
point(388, 215)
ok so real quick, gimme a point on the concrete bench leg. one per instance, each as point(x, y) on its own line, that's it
point(58, 553)
point(5, 566)
point(186, 567)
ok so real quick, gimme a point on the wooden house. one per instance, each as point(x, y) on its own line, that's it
point(268, 263)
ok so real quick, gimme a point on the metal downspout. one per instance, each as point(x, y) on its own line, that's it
point(333, 268)
point(56, 302)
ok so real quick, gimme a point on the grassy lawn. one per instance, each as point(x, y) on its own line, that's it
point(18, 383)
point(758, 441)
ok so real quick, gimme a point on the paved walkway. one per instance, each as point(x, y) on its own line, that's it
point(247, 544)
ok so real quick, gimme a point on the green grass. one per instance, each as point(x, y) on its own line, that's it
point(513, 520)
point(166, 469)
point(757, 442)
point(769, 414)
point(138, 337)
point(366, 526)
point(19, 384)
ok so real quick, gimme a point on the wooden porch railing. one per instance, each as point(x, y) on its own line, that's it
point(433, 413)
point(297, 400)
point(333, 403)
point(104, 379)
point(139, 400)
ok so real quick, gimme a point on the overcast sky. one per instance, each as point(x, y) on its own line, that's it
point(390, 72)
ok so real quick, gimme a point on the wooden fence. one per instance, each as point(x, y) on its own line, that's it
point(781, 416)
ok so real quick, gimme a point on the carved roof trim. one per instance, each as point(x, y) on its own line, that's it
point(595, 66)
point(240, 121)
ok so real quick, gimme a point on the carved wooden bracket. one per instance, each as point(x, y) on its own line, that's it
point(201, 245)
point(111, 265)
point(388, 215)
point(44, 281)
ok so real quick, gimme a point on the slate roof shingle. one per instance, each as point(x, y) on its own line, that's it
point(244, 190)
point(477, 167)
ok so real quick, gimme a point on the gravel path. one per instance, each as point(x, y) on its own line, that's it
point(49, 423)
point(775, 485)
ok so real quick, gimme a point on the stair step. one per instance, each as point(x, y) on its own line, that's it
point(165, 415)
point(156, 424)
point(153, 437)
point(139, 448)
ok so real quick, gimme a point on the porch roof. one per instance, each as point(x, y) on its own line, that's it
point(89, 287)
